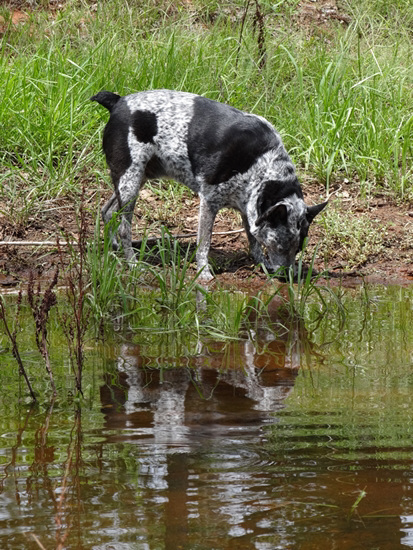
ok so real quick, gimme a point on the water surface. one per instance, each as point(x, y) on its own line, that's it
point(301, 440)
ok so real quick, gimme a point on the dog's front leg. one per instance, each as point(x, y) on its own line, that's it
point(205, 226)
point(255, 247)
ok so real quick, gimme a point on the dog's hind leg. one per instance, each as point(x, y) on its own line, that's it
point(110, 208)
point(205, 225)
point(128, 190)
point(125, 231)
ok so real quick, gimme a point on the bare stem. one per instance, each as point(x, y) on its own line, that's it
point(15, 349)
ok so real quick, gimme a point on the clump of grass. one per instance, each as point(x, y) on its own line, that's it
point(162, 202)
point(177, 288)
point(352, 240)
point(225, 314)
point(303, 289)
point(17, 203)
point(105, 292)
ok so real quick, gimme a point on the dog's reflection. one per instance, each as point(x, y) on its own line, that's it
point(227, 384)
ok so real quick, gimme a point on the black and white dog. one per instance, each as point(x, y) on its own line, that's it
point(228, 157)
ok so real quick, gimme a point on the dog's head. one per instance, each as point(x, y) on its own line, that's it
point(282, 227)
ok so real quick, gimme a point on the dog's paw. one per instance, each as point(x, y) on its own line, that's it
point(132, 263)
point(205, 276)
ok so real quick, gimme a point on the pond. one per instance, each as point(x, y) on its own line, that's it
point(304, 440)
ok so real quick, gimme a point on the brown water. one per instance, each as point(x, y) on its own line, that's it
point(300, 441)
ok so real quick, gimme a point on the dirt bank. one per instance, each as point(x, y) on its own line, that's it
point(371, 237)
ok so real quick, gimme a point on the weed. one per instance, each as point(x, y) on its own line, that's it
point(75, 322)
point(302, 290)
point(353, 240)
point(104, 274)
point(41, 306)
point(257, 22)
point(12, 336)
point(226, 314)
point(177, 290)
point(307, 289)
point(362, 494)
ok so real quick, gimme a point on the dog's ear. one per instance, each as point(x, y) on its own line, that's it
point(277, 212)
point(312, 211)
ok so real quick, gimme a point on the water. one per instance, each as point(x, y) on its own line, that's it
point(301, 441)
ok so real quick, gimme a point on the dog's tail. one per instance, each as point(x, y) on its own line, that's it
point(107, 99)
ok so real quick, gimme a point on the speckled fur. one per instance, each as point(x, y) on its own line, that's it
point(261, 184)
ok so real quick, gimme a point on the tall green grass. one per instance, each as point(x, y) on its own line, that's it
point(340, 95)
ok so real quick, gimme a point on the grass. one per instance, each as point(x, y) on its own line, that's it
point(171, 307)
point(105, 276)
point(341, 95)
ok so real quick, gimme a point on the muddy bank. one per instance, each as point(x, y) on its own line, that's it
point(388, 260)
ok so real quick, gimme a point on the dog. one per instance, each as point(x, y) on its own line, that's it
point(230, 158)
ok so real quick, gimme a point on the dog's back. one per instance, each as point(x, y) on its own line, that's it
point(197, 139)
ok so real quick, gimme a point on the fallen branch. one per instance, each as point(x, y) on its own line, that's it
point(151, 240)
point(37, 541)
point(135, 243)
point(32, 243)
